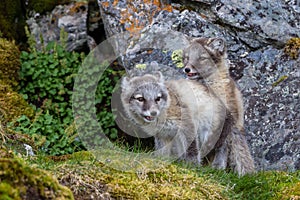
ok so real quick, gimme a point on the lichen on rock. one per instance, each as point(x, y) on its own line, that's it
point(255, 35)
point(292, 48)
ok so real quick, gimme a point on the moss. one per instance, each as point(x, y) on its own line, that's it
point(289, 192)
point(7, 192)
point(9, 62)
point(88, 177)
point(2, 133)
point(12, 104)
point(292, 48)
point(28, 182)
point(5, 153)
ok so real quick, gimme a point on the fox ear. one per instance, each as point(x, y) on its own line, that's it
point(216, 46)
point(125, 82)
point(159, 76)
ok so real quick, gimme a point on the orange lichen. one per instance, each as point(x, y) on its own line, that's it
point(115, 2)
point(168, 8)
point(134, 25)
point(78, 7)
point(105, 4)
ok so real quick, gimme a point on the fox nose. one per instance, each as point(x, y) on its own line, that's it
point(153, 113)
point(187, 70)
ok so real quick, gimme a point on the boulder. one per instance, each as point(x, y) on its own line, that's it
point(70, 19)
point(256, 33)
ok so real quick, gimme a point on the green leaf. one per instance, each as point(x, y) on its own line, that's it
point(24, 55)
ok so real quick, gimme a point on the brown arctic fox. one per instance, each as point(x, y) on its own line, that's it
point(186, 125)
point(205, 60)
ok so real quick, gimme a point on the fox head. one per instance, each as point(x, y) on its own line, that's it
point(202, 56)
point(144, 97)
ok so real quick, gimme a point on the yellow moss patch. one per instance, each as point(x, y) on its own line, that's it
point(292, 48)
point(9, 62)
point(8, 192)
point(12, 104)
point(290, 192)
point(19, 181)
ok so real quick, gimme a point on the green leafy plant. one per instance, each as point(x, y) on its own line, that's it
point(49, 74)
point(46, 82)
point(49, 133)
point(103, 99)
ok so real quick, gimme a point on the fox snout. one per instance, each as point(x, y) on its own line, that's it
point(189, 69)
point(150, 115)
point(190, 72)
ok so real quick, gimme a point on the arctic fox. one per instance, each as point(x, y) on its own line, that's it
point(185, 125)
point(205, 61)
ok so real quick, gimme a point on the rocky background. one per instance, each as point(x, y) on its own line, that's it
point(263, 44)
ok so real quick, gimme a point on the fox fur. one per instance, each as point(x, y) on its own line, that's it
point(184, 125)
point(205, 61)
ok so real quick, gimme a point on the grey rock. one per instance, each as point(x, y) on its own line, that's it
point(272, 21)
point(71, 18)
point(255, 32)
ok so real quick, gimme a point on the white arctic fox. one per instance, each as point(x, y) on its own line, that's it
point(186, 120)
point(184, 124)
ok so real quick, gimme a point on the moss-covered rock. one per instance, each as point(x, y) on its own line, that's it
point(9, 62)
point(12, 104)
point(19, 181)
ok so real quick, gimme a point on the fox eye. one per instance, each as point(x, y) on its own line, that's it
point(140, 99)
point(157, 99)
